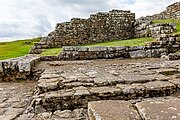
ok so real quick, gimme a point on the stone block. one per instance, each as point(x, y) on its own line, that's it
point(137, 54)
point(120, 48)
point(1, 67)
point(159, 88)
point(105, 91)
point(133, 90)
point(97, 49)
point(159, 108)
point(133, 78)
point(112, 110)
point(68, 48)
point(176, 82)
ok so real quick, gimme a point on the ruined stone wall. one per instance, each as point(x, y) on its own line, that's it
point(18, 68)
point(99, 27)
point(86, 53)
point(163, 46)
point(171, 12)
point(147, 29)
point(103, 26)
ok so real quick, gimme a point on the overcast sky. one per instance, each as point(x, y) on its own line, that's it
point(21, 19)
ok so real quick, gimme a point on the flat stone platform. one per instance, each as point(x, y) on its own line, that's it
point(93, 89)
point(167, 108)
point(71, 85)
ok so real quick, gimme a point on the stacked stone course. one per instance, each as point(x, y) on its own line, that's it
point(18, 68)
point(171, 12)
point(116, 24)
point(147, 29)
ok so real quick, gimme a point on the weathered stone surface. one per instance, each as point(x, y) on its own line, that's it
point(102, 80)
point(112, 110)
point(173, 56)
point(159, 108)
point(49, 84)
point(1, 67)
point(133, 78)
point(176, 82)
point(17, 68)
point(29, 116)
point(138, 54)
point(167, 71)
point(11, 113)
point(43, 116)
point(133, 90)
point(77, 114)
point(160, 88)
point(105, 91)
point(49, 76)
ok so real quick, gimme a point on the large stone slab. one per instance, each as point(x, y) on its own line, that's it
point(112, 110)
point(160, 109)
point(133, 78)
point(161, 88)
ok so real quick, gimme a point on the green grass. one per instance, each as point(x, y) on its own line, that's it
point(129, 42)
point(16, 48)
point(51, 52)
point(170, 21)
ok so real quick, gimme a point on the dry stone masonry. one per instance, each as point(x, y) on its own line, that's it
point(147, 29)
point(171, 12)
point(84, 89)
point(108, 85)
point(164, 45)
point(115, 24)
point(18, 68)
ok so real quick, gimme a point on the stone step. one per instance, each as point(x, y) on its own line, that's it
point(57, 81)
point(78, 97)
point(112, 110)
point(148, 109)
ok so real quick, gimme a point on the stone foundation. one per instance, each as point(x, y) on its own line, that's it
point(18, 68)
point(86, 53)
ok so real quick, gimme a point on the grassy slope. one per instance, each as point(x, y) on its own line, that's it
point(15, 48)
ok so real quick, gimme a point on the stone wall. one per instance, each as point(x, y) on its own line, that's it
point(147, 29)
point(103, 26)
point(18, 68)
point(86, 53)
point(163, 46)
point(171, 12)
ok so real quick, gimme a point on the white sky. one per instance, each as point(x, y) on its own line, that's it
point(21, 19)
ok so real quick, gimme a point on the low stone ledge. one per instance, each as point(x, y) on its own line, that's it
point(18, 68)
point(174, 56)
point(78, 97)
point(85, 53)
